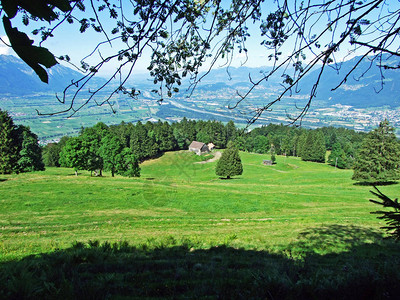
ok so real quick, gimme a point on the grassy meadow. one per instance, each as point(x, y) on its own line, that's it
point(295, 229)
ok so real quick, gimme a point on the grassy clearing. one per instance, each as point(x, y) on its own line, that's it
point(265, 207)
point(291, 217)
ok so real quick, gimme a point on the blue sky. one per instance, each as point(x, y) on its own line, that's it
point(69, 41)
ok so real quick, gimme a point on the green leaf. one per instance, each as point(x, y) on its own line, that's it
point(63, 5)
point(38, 9)
point(32, 55)
point(10, 7)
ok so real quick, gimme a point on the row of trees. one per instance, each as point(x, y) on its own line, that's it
point(150, 139)
point(120, 148)
point(92, 149)
point(19, 147)
point(97, 149)
point(145, 141)
point(310, 145)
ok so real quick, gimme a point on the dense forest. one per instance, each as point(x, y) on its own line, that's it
point(118, 148)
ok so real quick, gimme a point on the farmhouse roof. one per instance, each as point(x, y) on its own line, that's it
point(196, 145)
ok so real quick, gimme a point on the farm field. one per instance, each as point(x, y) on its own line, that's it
point(296, 219)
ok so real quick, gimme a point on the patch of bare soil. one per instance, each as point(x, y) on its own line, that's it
point(217, 156)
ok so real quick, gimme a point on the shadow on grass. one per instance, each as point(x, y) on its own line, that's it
point(340, 237)
point(367, 269)
point(3, 179)
point(386, 183)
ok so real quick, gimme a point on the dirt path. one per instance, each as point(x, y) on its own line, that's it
point(217, 156)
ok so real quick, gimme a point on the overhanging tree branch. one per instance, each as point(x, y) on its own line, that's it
point(184, 37)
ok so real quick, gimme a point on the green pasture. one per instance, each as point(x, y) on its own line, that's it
point(295, 230)
point(268, 207)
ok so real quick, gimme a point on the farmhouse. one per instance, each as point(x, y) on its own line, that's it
point(268, 162)
point(198, 147)
point(210, 146)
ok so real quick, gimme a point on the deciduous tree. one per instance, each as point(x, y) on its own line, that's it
point(30, 155)
point(110, 150)
point(74, 154)
point(19, 147)
point(51, 155)
point(128, 165)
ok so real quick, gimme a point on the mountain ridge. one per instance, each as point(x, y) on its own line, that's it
point(17, 79)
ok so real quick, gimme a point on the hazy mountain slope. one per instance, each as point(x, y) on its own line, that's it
point(362, 89)
point(18, 79)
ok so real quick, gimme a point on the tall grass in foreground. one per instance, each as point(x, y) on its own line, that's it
point(180, 269)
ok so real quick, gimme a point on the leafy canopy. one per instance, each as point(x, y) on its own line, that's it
point(184, 36)
point(19, 147)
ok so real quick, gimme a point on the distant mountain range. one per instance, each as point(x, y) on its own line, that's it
point(363, 89)
point(17, 79)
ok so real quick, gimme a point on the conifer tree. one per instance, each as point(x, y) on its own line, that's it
point(231, 131)
point(314, 147)
point(230, 163)
point(273, 157)
point(8, 145)
point(378, 159)
point(319, 147)
point(164, 136)
point(142, 143)
point(301, 142)
point(338, 158)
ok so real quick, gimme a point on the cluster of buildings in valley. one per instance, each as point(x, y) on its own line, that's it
point(358, 119)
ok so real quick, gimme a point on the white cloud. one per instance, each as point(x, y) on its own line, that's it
point(4, 49)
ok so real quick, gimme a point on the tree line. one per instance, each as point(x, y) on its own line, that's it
point(121, 148)
point(308, 144)
point(129, 144)
point(94, 146)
